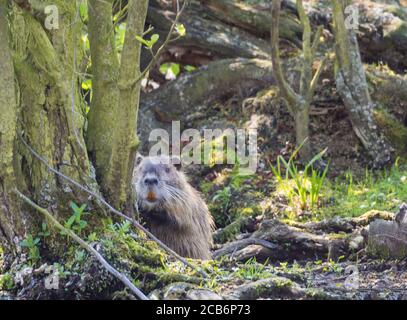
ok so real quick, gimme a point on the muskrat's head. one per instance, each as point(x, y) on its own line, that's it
point(157, 181)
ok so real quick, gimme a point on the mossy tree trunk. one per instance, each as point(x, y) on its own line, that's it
point(44, 109)
point(11, 220)
point(112, 139)
point(40, 103)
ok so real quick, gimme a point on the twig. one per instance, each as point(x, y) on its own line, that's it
point(166, 41)
point(115, 211)
point(86, 246)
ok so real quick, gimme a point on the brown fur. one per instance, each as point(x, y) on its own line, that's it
point(179, 217)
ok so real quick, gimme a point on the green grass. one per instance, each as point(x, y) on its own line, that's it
point(351, 197)
point(302, 187)
point(347, 196)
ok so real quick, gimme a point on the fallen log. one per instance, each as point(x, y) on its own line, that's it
point(347, 225)
point(244, 30)
point(206, 39)
point(185, 95)
point(256, 19)
point(277, 241)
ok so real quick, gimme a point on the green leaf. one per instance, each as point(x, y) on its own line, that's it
point(82, 208)
point(120, 33)
point(180, 28)
point(87, 84)
point(74, 206)
point(175, 68)
point(24, 243)
point(153, 40)
point(82, 224)
point(69, 222)
point(83, 10)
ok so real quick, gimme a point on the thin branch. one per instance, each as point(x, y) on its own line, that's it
point(113, 210)
point(316, 41)
point(316, 77)
point(86, 246)
point(166, 41)
point(285, 89)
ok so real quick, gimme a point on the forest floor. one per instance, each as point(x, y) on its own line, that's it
point(305, 213)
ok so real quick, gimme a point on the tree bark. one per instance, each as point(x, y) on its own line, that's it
point(206, 38)
point(111, 135)
point(352, 87)
point(105, 67)
point(277, 241)
point(43, 114)
point(125, 141)
point(10, 217)
point(42, 106)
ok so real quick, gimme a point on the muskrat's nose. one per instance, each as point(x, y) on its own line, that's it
point(151, 181)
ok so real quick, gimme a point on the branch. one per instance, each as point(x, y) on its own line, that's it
point(316, 41)
point(306, 72)
point(286, 91)
point(86, 246)
point(341, 35)
point(316, 77)
point(166, 41)
point(113, 210)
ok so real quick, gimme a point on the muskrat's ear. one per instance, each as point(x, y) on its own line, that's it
point(139, 158)
point(176, 162)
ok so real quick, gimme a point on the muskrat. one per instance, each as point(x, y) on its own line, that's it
point(172, 209)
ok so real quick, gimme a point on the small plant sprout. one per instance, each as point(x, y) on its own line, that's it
point(75, 222)
point(31, 244)
point(44, 233)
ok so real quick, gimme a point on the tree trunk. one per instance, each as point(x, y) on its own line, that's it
point(352, 87)
point(125, 141)
point(301, 119)
point(43, 114)
point(105, 67)
point(41, 104)
point(112, 139)
point(10, 217)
